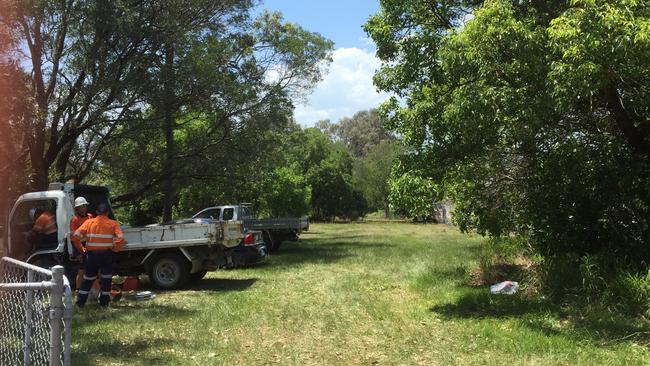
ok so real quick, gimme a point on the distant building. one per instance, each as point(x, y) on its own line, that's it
point(442, 212)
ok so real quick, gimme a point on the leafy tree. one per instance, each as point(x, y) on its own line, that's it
point(533, 116)
point(214, 59)
point(243, 75)
point(373, 149)
point(333, 194)
point(85, 60)
point(362, 131)
point(371, 173)
point(15, 113)
point(285, 193)
point(327, 170)
point(413, 196)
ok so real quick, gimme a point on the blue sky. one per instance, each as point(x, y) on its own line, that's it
point(337, 20)
point(347, 88)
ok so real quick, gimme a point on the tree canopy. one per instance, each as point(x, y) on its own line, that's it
point(533, 116)
point(152, 96)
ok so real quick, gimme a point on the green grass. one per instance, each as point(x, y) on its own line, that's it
point(369, 293)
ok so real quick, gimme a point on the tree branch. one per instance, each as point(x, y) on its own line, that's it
point(633, 136)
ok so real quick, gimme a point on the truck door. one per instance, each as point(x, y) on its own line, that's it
point(246, 212)
point(228, 213)
point(22, 240)
point(211, 213)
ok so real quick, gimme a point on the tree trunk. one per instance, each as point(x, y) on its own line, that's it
point(386, 210)
point(62, 162)
point(39, 178)
point(169, 124)
point(635, 137)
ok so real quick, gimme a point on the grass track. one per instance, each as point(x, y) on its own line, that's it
point(369, 293)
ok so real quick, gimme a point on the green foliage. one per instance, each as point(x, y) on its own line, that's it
point(326, 167)
point(219, 92)
point(333, 194)
point(534, 118)
point(284, 193)
point(373, 148)
point(634, 290)
point(361, 132)
point(412, 195)
point(371, 173)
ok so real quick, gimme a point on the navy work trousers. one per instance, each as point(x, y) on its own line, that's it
point(97, 262)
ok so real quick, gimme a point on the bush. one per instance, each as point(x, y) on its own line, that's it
point(502, 259)
point(634, 291)
point(597, 282)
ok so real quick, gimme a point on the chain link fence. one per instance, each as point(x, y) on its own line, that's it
point(35, 315)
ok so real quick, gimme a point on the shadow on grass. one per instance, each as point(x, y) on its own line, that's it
point(206, 284)
point(549, 319)
point(91, 315)
point(222, 284)
point(96, 341)
point(314, 250)
point(475, 304)
point(121, 352)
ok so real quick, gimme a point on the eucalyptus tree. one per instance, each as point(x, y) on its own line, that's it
point(214, 99)
point(83, 60)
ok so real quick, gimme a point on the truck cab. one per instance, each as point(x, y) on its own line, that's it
point(242, 211)
point(58, 201)
point(275, 230)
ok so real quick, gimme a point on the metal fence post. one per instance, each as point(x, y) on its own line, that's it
point(36, 315)
point(56, 312)
point(67, 324)
point(29, 300)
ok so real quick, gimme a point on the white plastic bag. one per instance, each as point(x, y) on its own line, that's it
point(504, 288)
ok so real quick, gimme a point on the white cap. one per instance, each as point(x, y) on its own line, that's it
point(80, 201)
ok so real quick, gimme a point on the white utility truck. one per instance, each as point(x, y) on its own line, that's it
point(170, 254)
point(275, 230)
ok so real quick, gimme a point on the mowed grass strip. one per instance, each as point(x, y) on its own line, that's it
point(367, 293)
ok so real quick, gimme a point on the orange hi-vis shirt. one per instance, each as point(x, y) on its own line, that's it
point(100, 233)
point(77, 221)
point(45, 223)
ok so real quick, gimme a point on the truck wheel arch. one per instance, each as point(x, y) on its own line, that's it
point(146, 261)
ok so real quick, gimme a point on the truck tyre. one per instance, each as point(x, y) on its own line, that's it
point(271, 245)
point(198, 276)
point(169, 271)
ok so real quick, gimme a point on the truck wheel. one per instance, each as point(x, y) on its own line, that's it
point(198, 276)
point(268, 241)
point(169, 271)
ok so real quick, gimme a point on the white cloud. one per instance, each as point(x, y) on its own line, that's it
point(346, 89)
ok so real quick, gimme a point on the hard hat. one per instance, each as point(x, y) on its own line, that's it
point(80, 201)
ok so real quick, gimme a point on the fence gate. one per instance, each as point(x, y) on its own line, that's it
point(35, 315)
